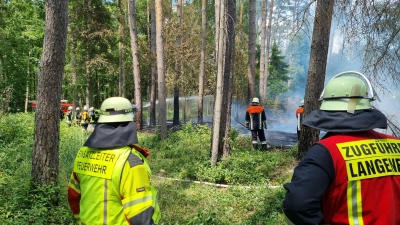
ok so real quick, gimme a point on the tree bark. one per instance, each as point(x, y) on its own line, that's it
point(45, 156)
point(153, 91)
point(135, 59)
point(121, 48)
point(228, 75)
point(251, 66)
point(263, 96)
point(202, 61)
point(216, 127)
point(263, 63)
point(316, 70)
point(178, 68)
point(162, 90)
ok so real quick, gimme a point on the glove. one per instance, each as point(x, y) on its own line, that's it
point(265, 124)
point(247, 125)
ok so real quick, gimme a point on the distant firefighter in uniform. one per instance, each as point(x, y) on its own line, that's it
point(78, 116)
point(299, 117)
point(85, 118)
point(256, 121)
point(69, 116)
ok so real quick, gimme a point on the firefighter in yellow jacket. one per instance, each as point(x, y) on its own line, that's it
point(111, 179)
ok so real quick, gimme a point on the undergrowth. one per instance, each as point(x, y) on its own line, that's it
point(250, 190)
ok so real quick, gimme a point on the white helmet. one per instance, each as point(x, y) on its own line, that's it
point(77, 108)
point(91, 109)
point(69, 107)
point(85, 108)
point(255, 100)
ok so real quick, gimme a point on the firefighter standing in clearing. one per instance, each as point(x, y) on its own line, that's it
point(78, 116)
point(111, 179)
point(69, 116)
point(256, 121)
point(85, 119)
point(352, 175)
point(299, 117)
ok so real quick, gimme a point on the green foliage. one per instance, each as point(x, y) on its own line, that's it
point(181, 165)
point(21, 40)
point(19, 204)
point(278, 73)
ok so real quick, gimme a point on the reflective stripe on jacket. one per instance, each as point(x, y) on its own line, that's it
point(255, 115)
point(112, 187)
point(366, 187)
point(299, 116)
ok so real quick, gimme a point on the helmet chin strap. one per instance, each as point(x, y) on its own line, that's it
point(355, 91)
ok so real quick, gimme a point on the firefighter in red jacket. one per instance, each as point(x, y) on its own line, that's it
point(111, 180)
point(299, 117)
point(352, 175)
point(256, 121)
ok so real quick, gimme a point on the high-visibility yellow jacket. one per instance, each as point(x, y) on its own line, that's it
point(112, 187)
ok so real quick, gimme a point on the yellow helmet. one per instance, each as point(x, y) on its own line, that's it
point(347, 91)
point(116, 109)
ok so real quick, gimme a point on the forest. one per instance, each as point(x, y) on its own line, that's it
point(164, 54)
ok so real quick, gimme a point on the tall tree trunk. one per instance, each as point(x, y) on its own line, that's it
point(74, 76)
point(216, 126)
point(263, 97)
point(27, 84)
point(228, 75)
point(202, 61)
point(177, 65)
point(135, 59)
point(153, 90)
point(88, 58)
point(241, 13)
point(316, 70)
point(121, 48)
point(217, 28)
point(251, 65)
point(263, 88)
point(45, 156)
point(162, 104)
point(88, 79)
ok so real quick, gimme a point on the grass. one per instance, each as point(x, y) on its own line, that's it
point(245, 188)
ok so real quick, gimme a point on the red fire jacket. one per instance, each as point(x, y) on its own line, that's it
point(366, 186)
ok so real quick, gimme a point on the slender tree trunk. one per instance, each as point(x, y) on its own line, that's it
point(121, 48)
point(241, 13)
point(88, 58)
point(263, 87)
point(294, 19)
point(74, 76)
point(217, 24)
point(162, 104)
point(27, 84)
point(88, 79)
point(177, 65)
point(153, 91)
point(251, 65)
point(228, 75)
point(216, 127)
point(316, 70)
point(45, 156)
point(135, 59)
point(263, 98)
point(202, 61)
